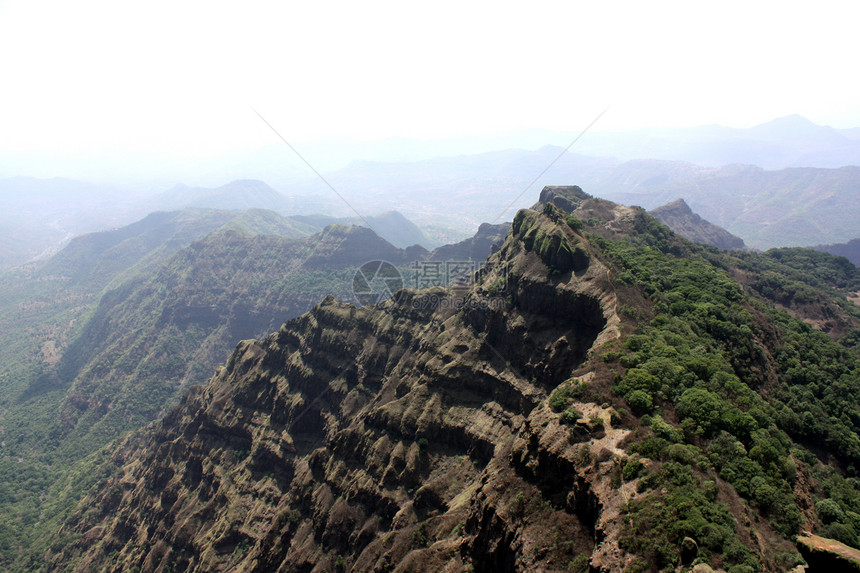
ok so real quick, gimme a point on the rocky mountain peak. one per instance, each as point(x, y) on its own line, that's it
point(563, 197)
point(677, 207)
point(679, 217)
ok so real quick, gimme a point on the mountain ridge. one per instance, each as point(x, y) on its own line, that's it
point(389, 353)
point(601, 380)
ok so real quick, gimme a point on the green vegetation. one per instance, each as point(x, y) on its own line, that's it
point(683, 507)
point(703, 358)
point(573, 223)
point(792, 267)
point(570, 416)
point(518, 505)
point(563, 395)
point(419, 536)
point(632, 469)
point(579, 564)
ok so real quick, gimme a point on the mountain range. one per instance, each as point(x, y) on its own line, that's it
point(788, 207)
point(217, 379)
point(42, 216)
point(782, 143)
point(788, 182)
point(785, 142)
point(604, 396)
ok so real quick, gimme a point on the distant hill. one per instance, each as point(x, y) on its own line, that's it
point(253, 194)
point(678, 216)
point(849, 250)
point(343, 244)
point(98, 257)
point(237, 195)
point(40, 216)
point(791, 141)
point(476, 248)
point(391, 226)
point(788, 207)
point(266, 222)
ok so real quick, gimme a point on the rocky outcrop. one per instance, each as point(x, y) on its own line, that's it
point(552, 244)
point(410, 436)
point(565, 198)
point(822, 554)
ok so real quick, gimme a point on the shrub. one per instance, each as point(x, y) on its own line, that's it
point(632, 469)
point(840, 532)
point(518, 505)
point(579, 564)
point(573, 223)
point(419, 536)
point(640, 401)
point(829, 511)
point(559, 398)
point(570, 416)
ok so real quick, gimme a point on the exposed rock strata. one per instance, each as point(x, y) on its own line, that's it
point(413, 436)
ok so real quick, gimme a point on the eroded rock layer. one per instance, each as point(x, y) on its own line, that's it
point(412, 436)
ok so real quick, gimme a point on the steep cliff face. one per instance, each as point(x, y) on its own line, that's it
point(412, 436)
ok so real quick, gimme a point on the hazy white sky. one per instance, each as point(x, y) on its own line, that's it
point(181, 77)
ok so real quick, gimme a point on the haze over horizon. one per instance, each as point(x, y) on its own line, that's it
point(395, 104)
point(277, 164)
point(143, 86)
